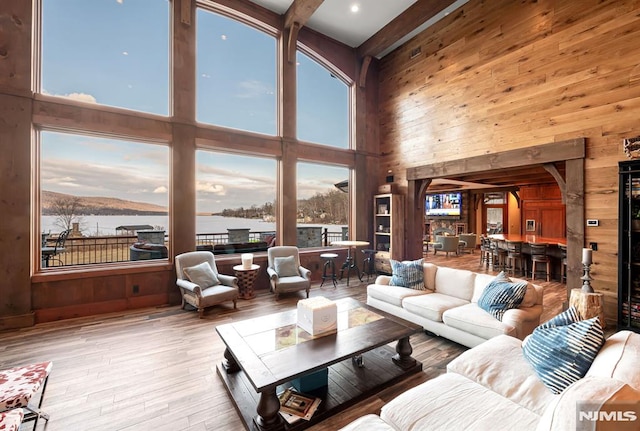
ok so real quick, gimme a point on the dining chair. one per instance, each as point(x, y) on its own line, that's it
point(53, 255)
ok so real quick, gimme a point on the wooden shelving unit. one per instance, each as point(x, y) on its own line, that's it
point(388, 237)
point(629, 247)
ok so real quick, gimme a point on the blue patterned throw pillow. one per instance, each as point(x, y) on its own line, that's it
point(562, 349)
point(501, 294)
point(407, 274)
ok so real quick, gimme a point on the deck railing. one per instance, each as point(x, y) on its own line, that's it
point(111, 249)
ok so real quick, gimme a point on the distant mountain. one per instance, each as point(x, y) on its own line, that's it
point(102, 205)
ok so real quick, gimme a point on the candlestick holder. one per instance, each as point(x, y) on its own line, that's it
point(586, 279)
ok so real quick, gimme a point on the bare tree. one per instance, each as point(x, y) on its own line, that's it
point(67, 209)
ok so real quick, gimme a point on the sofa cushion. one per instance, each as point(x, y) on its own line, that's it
point(591, 394)
point(430, 275)
point(455, 282)
point(498, 364)
point(474, 320)
point(431, 306)
point(202, 275)
point(453, 402)
point(502, 294)
point(392, 294)
point(531, 297)
point(368, 422)
point(562, 349)
point(618, 358)
point(407, 274)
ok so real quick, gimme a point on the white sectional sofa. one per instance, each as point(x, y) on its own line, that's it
point(448, 305)
point(493, 387)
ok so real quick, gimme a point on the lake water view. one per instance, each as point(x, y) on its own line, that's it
point(106, 225)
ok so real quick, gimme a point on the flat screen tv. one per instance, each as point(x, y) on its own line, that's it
point(443, 204)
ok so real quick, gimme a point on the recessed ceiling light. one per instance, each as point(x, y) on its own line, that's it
point(355, 8)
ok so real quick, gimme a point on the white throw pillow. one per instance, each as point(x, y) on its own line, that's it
point(285, 266)
point(202, 275)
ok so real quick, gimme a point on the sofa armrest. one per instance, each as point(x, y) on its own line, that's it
point(191, 287)
point(304, 273)
point(524, 319)
point(228, 280)
point(383, 279)
point(273, 275)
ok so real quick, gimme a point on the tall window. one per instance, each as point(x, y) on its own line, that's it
point(323, 105)
point(110, 52)
point(235, 199)
point(323, 204)
point(107, 194)
point(236, 75)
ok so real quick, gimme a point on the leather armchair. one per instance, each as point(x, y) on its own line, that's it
point(202, 297)
point(290, 282)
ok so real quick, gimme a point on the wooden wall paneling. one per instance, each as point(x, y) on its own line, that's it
point(15, 47)
point(16, 252)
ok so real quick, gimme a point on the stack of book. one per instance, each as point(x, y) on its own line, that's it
point(295, 406)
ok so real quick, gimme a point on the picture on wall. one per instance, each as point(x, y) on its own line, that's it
point(531, 226)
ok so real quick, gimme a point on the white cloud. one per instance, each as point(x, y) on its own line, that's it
point(204, 75)
point(161, 189)
point(223, 37)
point(125, 53)
point(119, 1)
point(216, 189)
point(83, 97)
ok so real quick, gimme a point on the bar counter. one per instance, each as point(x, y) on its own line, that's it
point(553, 249)
point(529, 239)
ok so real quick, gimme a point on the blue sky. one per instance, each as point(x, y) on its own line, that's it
point(115, 52)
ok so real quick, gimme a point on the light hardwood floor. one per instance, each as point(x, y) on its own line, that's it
point(154, 369)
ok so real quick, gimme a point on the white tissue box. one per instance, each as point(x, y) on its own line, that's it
point(318, 315)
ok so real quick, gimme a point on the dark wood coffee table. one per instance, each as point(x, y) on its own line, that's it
point(264, 354)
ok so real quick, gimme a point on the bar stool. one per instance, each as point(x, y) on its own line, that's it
point(329, 265)
point(498, 255)
point(485, 251)
point(539, 255)
point(368, 266)
point(515, 258)
point(563, 263)
point(18, 385)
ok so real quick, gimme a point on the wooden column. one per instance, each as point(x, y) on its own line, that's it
point(18, 249)
point(286, 202)
point(183, 164)
point(574, 173)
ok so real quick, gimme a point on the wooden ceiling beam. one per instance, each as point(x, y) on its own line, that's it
point(294, 19)
point(300, 11)
point(412, 18)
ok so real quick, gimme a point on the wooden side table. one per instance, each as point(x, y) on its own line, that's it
point(588, 304)
point(246, 277)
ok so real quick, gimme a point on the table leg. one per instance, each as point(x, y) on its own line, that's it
point(268, 418)
point(229, 362)
point(403, 359)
